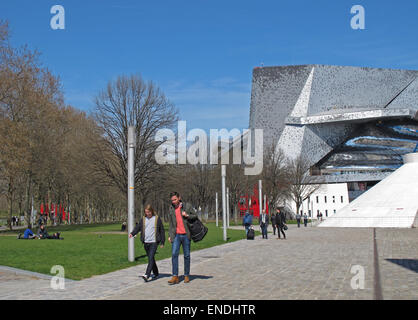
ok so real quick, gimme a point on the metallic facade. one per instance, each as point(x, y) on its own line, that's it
point(348, 123)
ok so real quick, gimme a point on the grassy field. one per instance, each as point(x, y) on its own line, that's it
point(89, 250)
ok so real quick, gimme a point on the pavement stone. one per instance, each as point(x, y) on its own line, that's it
point(312, 264)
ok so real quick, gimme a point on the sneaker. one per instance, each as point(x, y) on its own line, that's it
point(154, 277)
point(19, 235)
point(145, 277)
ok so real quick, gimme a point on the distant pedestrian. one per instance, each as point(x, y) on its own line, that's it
point(152, 235)
point(305, 220)
point(40, 221)
point(247, 221)
point(298, 216)
point(264, 222)
point(273, 223)
point(179, 235)
point(280, 222)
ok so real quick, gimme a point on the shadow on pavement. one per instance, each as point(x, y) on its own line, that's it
point(411, 264)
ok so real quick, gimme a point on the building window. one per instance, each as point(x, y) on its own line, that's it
point(326, 213)
point(325, 199)
point(342, 199)
point(317, 199)
point(333, 199)
point(335, 211)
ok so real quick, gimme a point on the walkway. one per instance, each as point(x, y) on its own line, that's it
point(313, 263)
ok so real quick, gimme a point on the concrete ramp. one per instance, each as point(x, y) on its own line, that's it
point(392, 203)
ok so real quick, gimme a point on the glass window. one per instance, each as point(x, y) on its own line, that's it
point(325, 199)
point(342, 199)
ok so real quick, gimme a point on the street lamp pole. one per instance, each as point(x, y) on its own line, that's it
point(216, 206)
point(224, 200)
point(260, 196)
point(131, 190)
point(227, 207)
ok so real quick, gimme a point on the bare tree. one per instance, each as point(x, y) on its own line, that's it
point(301, 183)
point(129, 101)
point(275, 175)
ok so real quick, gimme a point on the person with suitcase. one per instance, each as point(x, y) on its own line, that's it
point(250, 233)
point(247, 221)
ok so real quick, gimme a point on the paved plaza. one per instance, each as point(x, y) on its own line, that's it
point(313, 263)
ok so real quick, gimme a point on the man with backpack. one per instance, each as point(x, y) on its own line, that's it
point(179, 235)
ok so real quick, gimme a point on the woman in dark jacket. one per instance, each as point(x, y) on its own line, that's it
point(280, 222)
point(152, 234)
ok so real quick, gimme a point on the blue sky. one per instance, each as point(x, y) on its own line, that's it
point(201, 53)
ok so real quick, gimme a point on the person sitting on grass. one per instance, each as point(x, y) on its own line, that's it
point(28, 234)
point(43, 234)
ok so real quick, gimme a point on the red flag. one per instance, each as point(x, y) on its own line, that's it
point(42, 208)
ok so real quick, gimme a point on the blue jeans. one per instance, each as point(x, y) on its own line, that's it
point(180, 239)
point(246, 229)
point(264, 231)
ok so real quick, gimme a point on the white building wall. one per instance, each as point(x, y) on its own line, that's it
point(328, 199)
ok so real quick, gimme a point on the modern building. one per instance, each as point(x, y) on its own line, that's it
point(328, 199)
point(393, 202)
point(351, 125)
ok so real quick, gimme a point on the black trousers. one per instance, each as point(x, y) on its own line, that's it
point(151, 249)
point(280, 228)
point(274, 229)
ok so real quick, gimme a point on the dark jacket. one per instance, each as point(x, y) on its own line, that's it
point(159, 230)
point(43, 233)
point(173, 222)
point(261, 220)
point(280, 219)
point(273, 219)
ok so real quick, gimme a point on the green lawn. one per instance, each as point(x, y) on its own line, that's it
point(89, 250)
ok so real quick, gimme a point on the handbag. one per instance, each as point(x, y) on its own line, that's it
point(284, 227)
point(197, 230)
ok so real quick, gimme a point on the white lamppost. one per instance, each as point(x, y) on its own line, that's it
point(131, 190)
point(216, 208)
point(224, 200)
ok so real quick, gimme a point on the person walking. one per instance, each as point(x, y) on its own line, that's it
point(247, 221)
point(264, 222)
point(179, 235)
point(298, 216)
point(280, 222)
point(152, 235)
point(305, 220)
point(273, 223)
